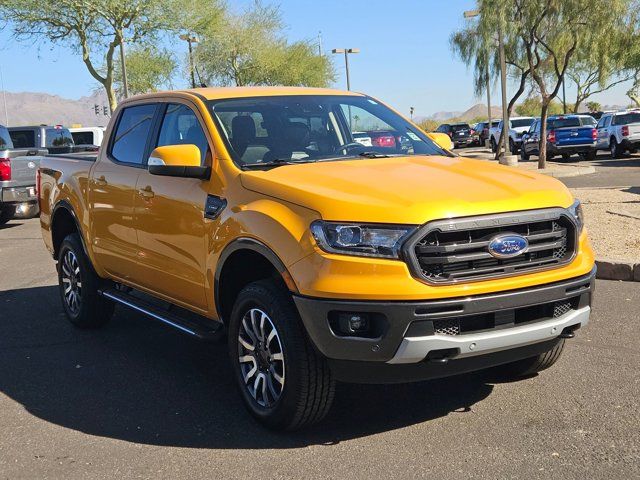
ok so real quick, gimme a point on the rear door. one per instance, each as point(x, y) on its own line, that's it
point(531, 139)
point(112, 190)
point(603, 132)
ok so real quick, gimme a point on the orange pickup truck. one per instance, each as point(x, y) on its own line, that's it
point(324, 234)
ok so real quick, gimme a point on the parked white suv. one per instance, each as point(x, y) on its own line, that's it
point(517, 127)
point(619, 132)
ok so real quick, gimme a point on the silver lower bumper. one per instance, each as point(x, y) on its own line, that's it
point(415, 349)
point(19, 194)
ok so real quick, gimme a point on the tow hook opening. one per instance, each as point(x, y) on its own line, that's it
point(441, 356)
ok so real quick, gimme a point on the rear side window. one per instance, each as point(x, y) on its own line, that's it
point(23, 138)
point(130, 139)
point(588, 121)
point(58, 137)
point(180, 126)
point(626, 118)
point(82, 138)
point(5, 139)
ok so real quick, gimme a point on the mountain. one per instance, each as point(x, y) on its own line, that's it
point(442, 116)
point(30, 108)
point(480, 110)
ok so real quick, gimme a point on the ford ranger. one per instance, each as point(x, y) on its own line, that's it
point(566, 136)
point(252, 213)
point(619, 132)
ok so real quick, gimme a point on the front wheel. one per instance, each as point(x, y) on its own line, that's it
point(529, 366)
point(79, 285)
point(283, 381)
point(494, 146)
point(615, 149)
point(524, 156)
point(512, 147)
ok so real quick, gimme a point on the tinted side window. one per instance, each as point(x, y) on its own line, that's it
point(82, 138)
point(130, 139)
point(181, 126)
point(23, 138)
point(607, 122)
point(57, 137)
point(5, 139)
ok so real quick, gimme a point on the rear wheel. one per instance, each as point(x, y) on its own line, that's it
point(283, 381)
point(79, 285)
point(529, 366)
point(6, 214)
point(512, 147)
point(615, 148)
point(566, 156)
point(590, 155)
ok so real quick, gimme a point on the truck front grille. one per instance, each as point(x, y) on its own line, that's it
point(457, 250)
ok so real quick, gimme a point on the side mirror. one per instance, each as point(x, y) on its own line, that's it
point(441, 139)
point(177, 161)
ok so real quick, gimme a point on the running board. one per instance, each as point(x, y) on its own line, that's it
point(207, 330)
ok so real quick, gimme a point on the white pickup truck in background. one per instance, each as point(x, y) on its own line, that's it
point(87, 136)
point(619, 132)
point(517, 127)
point(18, 168)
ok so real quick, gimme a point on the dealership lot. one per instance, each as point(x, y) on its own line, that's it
point(138, 400)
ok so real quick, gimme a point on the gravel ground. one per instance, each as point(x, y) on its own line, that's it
point(612, 218)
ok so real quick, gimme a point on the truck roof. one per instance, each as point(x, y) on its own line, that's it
point(216, 93)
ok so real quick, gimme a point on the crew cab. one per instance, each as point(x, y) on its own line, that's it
point(517, 127)
point(254, 215)
point(18, 168)
point(566, 135)
point(87, 138)
point(619, 132)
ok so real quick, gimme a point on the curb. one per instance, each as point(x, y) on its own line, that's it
point(577, 171)
point(618, 270)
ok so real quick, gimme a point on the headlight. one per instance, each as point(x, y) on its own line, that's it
point(576, 211)
point(356, 239)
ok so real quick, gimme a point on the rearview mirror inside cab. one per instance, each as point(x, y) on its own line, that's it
point(177, 161)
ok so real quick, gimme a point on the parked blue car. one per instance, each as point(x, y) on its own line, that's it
point(566, 136)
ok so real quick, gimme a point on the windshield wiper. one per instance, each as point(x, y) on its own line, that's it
point(278, 162)
point(371, 154)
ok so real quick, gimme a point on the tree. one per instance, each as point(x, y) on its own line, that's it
point(473, 44)
point(250, 49)
point(593, 107)
point(94, 28)
point(532, 107)
point(550, 33)
point(148, 70)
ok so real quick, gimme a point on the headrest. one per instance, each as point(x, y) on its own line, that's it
point(297, 135)
point(243, 128)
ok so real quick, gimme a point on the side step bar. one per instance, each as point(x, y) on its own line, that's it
point(205, 330)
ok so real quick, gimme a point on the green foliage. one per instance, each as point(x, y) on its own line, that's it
point(594, 106)
point(148, 70)
point(428, 124)
point(94, 28)
point(532, 107)
point(250, 49)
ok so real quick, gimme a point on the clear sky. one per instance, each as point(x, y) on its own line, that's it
point(405, 57)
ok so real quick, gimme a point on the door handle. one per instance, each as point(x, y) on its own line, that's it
point(146, 192)
point(101, 181)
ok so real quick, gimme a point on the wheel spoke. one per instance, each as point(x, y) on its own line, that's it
point(278, 378)
point(263, 317)
point(249, 331)
point(246, 358)
point(278, 356)
point(246, 344)
point(247, 375)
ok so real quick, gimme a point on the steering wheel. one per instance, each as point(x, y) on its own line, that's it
point(348, 146)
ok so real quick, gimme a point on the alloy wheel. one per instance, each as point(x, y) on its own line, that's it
point(72, 282)
point(261, 358)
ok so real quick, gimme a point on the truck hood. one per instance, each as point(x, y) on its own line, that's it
point(408, 190)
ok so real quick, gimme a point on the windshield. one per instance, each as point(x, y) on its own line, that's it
point(523, 122)
point(563, 123)
point(626, 118)
point(307, 128)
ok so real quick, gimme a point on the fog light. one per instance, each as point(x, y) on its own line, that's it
point(353, 322)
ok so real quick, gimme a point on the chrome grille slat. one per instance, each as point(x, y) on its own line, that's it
point(454, 250)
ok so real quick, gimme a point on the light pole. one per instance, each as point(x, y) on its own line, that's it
point(503, 84)
point(190, 39)
point(346, 52)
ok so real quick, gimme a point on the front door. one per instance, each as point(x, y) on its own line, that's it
point(172, 238)
point(111, 188)
point(602, 142)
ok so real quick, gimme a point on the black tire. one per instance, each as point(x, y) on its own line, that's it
point(494, 146)
point(615, 149)
point(588, 156)
point(75, 272)
point(512, 147)
point(307, 388)
point(529, 366)
point(5, 215)
point(566, 156)
point(524, 156)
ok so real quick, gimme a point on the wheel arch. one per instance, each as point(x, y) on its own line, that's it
point(64, 222)
point(230, 277)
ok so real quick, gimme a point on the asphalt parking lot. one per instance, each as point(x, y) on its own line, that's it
point(136, 400)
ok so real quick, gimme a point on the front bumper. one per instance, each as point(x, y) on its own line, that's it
point(407, 329)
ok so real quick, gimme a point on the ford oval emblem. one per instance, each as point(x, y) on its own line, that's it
point(508, 245)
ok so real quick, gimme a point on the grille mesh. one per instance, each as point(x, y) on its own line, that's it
point(450, 326)
point(560, 308)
